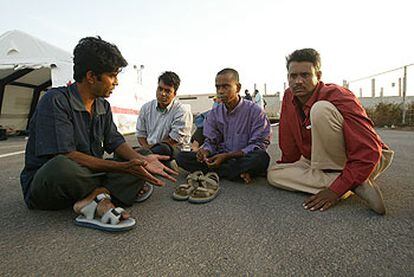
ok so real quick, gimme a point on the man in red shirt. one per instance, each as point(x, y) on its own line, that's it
point(329, 146)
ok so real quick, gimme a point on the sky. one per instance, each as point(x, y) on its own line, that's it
point(198, 38)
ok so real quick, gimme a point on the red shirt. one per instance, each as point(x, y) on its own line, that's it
point(363, 145)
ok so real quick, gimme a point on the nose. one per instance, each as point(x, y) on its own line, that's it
point(299, 80)
point(115, 81)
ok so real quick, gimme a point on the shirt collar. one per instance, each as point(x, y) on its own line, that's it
point(167, 109)
point(241, 101)
point(312, 99)
point(77, 102)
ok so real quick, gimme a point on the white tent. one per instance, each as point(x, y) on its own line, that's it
point(28, 66)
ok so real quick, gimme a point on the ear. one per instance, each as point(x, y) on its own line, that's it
point(319, 75)
point(238, 87)
point(90, 77)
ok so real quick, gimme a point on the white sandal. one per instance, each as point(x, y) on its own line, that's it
point(110, 221)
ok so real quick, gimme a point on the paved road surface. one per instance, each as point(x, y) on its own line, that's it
point(248, 229)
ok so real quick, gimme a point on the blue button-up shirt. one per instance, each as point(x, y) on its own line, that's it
point(62, 124)
point(245, 128)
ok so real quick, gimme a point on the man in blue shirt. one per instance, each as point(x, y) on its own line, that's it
point(68, 134)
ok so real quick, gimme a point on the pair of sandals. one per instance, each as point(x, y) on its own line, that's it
point(111, 221)
point(199, 188)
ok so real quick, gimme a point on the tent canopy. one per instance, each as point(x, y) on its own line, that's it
point(28, 66)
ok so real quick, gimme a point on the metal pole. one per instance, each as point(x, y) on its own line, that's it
point(404, 93)
point(373, 87)
point(399, 87)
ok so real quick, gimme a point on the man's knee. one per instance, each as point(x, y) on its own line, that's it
point(322, 111)
point(59, 168)
point(260, 157)
point(162, 149)
point(184, 158)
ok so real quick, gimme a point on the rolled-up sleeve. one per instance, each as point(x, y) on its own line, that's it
point(182, 125)
point(55, 134)
point(260, 133)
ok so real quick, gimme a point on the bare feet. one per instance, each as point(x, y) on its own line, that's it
point(144, 190)
point(103, 206)
point(246, 177)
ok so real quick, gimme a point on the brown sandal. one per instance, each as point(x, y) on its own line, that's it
point(183, 192)
point(207, 190)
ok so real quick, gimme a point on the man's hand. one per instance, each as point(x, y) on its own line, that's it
point(156, 167)
point(216, 160)
point(202, 155)
point(322, 201)
point(137, 167)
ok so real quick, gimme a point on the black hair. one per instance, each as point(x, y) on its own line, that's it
point(231, 71)
point(170, 79)
point(96, 55)
point(305, 55)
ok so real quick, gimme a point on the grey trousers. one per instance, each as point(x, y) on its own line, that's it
point(61, 182)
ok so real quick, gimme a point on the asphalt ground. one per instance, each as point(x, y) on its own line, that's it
point(247, 230)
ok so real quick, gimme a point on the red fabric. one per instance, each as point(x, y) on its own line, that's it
point(362, 143)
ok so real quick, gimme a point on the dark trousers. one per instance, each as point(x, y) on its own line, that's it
point(61, 182)
point(165, 149)
point(255, 163)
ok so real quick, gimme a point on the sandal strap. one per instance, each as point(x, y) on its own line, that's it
point(89, 210)
point(208, 183)
point(112, 216)
point(195, 176)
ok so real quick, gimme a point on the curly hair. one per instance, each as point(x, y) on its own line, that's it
point(170, 79)
point(96, 55)
point(305, 55)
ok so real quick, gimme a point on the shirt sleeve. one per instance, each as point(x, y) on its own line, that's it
point(113, 139)
point(54, 126)
point(363, 149)
point(211, 133)
point(287, 144)
point(260, 132)
point(141, 130)
point(182, 125)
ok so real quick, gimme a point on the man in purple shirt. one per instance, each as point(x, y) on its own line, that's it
point(237, 134)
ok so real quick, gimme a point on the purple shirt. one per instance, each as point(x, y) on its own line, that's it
point(245, 128)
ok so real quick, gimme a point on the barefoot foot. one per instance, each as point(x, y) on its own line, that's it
point(246, 177)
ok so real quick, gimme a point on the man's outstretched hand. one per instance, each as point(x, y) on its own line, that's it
point(321, 201)
point(155, 166)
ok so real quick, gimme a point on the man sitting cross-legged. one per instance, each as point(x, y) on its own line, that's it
point(236, 134)
point(164, 124)
point(68, 134)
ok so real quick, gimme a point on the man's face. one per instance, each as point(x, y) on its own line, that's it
point(105, 84)
point(227, 88)
point(303, 78)
point(165, 94)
